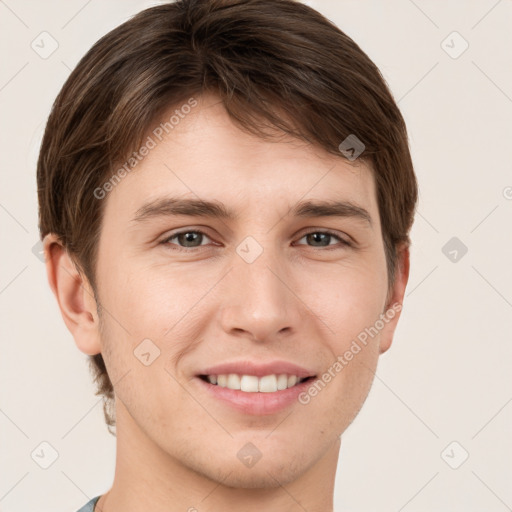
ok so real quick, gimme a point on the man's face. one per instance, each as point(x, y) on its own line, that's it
point(259, 287)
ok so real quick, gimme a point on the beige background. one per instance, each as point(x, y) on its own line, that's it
point(447, 376)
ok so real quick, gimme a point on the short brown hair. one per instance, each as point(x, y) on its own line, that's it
point(277, 61)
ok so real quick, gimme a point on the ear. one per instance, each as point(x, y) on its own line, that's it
point(74, 295)
point(395, 298)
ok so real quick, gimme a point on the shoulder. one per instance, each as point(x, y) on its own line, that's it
point(89, 506)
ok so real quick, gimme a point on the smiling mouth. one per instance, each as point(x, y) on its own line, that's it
point(253, 384)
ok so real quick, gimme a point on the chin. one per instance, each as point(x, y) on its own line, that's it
point(263, 478)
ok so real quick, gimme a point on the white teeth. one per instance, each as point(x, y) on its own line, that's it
point(292, 380)
point(233, 381)
point(249, 383)
point(253, 384)
point(282, 381)
point(268, 384)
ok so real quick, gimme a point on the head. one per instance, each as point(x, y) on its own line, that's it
point(252, 105)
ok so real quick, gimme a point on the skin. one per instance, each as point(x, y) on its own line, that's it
point(305, 303)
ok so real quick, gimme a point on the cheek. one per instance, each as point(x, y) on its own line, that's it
point(149, 301)
point(349, 305)
point(156, 311)
point(347, 300)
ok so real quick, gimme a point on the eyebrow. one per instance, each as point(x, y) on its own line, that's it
point(173, 206)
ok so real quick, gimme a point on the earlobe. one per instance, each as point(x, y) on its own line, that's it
point(74, 296)
point(394, 305)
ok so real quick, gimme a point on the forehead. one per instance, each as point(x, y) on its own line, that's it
point(207, 156)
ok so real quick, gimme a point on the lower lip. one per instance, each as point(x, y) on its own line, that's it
point(258, 403)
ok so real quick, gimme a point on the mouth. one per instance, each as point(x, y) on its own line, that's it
point(255, 387)
point(272, 383)
point(253, 395)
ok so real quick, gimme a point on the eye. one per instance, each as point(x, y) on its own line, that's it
point(188, 239)
point(323, 239)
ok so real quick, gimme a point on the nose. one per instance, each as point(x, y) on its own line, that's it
point(260, 302)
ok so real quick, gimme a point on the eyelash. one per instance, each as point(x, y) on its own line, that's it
point(166, 241)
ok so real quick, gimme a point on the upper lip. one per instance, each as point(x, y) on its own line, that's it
point(258, 369)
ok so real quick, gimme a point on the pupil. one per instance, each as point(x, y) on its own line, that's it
point(190, 237)
point(317, 237)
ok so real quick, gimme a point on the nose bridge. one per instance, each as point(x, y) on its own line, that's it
point(260, 279)
point(258, 300)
